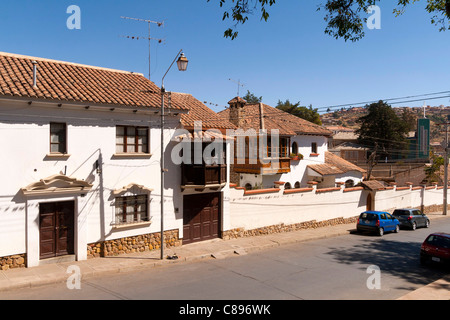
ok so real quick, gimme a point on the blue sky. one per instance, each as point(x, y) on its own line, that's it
point(288, 57)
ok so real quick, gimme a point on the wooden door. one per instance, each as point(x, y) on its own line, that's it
point(201, 217)
point(56, 227)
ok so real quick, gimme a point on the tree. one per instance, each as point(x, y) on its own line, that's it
point(345, 18)
point(382, 127)
point(409, 119)
point(432, 171)
point(251, 98)
point(309, 114)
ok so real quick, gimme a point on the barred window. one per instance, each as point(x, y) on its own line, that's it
point(132, 209)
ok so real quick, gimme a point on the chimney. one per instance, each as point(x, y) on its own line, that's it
point(237, 111)
point(34, 74)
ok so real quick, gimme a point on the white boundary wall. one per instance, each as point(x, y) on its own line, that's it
point(269, 207)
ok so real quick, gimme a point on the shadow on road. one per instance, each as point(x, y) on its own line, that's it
point(396, 258)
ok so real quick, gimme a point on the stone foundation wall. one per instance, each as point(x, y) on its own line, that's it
point(146, 242)
point(280, 228)
point(13, 262)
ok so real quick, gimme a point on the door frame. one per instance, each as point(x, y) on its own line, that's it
point(32, 242)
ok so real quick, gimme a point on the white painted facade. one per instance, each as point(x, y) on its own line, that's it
point(91, 157)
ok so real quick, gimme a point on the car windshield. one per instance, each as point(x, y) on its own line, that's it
point(368, 216)
point(439, 241)
point(401, 213)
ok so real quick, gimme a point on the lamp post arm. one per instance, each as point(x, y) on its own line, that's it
point(162, 82)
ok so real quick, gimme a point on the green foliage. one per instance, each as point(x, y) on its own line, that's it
point(432, 172)
point(309, 113)
point(381, 130)
point(345, 18)
point(251, 98)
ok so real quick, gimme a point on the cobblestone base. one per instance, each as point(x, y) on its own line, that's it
point(146, 242)
point(13, 262)
point(280, 228)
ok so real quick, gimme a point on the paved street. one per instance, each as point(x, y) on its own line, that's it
point(332, 268)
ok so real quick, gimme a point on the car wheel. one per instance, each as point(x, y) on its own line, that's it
point(414, 226)
point(397, 228)
point(427, 224)
point(380, 232)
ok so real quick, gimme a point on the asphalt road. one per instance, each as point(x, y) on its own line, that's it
point(328, 269)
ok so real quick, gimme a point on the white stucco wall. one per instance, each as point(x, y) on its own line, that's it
point(91, 136)
point(274, 208)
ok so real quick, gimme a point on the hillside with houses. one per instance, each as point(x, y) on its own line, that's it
point(348, 118)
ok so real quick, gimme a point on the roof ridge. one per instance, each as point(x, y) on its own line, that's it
point(21, 56)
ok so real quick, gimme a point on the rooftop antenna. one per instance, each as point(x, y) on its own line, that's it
point(239, 85)
point(149, 38)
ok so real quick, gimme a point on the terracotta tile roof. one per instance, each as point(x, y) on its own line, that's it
point(200, 112)
point(373, 185)
point(341, 163)
point(72, 82)
point(334, 165)
point(262, 116)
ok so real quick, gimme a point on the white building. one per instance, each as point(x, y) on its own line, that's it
point(301, 146)
point(81, 164)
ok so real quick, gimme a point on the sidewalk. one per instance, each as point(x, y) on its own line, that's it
point(215, 249)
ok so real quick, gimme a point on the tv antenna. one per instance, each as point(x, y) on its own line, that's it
point(148, 37)
point(239, 84)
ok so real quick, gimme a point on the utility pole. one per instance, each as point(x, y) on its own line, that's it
point(447, 147)
point(149, 38)
point(446, 163)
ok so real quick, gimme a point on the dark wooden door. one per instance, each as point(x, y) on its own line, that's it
point(201, 217)
point(56, 227)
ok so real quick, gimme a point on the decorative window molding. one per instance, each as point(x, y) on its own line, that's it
point(132, 206)
point(132, 188)
point(57, 184)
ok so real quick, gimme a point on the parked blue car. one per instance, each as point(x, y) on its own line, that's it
point(378, 222)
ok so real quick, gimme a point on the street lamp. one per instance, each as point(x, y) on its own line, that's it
point(182, 63)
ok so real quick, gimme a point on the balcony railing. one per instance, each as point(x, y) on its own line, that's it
point(282, 165)
point(202, 176)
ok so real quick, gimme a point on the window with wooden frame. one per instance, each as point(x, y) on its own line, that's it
point(132, 139)
point(58, 138)
point(282, 149)
point(132, 209)
point(314, 148)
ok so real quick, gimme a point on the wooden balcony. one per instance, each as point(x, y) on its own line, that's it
point(203, 176)
point(282, 166)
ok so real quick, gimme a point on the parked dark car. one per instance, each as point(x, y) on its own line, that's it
point(378, 222)
point(411, 218)
point(436, 248)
